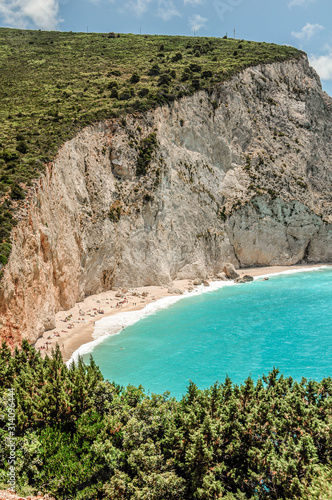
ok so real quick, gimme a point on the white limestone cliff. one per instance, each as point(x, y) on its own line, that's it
point(242, 175)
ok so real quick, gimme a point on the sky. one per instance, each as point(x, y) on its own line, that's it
point(305, 24)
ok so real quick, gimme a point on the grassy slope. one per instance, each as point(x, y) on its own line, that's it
point(52, 84)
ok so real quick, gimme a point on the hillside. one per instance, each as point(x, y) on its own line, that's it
point(52, 84)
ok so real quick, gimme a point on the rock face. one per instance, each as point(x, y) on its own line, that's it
point(242, 176)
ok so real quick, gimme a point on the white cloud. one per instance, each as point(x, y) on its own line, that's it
point(167, 10)
point(139, 7)
point(197, 22)
point(164, 9)
point(300, 3)
point(323, 65)
point(307, 32)
point(193, 2)
point(22, 13)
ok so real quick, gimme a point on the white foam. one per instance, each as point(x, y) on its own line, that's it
point(113, 325)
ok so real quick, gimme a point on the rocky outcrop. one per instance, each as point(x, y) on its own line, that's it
point(230, 272)
point(245, 279)
point(240, 175)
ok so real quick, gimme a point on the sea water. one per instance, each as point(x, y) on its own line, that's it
point(241, 330)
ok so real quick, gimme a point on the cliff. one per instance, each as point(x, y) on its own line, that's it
point(242, 174)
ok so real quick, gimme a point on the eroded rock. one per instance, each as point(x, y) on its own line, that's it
point(230, 272)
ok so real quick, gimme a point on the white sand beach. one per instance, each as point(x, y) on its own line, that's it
point(75, 326)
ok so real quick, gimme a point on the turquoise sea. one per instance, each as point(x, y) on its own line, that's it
point(238, 330)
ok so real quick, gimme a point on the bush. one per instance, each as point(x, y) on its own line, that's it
point(135, 78)
point(186, 75)
point(115, 212)
point(196, 84)
point(143, 92)
point(177, 57)
point(154, 70)
point(22, 147)
point(17, 192)
point(195, 68)
point(114, 93)
point(146, 151)
point(164, 79)
point(9, 155)
point(5, 249)
point(125, 95)
point(112, 85)
point(206, 74)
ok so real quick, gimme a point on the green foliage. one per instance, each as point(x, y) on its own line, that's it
point(154, 70)
point(115, 212)
point(17, 192)
point(135, 78)
point(146, 149)
point(195, 68)
point(114, 93)
point(5, 249)
point(178, 56)
point(164, 79)
point(80, 437)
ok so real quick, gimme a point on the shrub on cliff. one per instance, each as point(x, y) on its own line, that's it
point(135, 78)
point(146, 149)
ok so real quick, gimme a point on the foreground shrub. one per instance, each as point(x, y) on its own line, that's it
point(81, 437)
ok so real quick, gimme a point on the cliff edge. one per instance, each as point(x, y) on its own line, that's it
point(242, 174)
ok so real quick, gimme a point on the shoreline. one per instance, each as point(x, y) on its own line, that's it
point(75, 327)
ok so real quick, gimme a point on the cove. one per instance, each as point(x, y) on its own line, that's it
point(240, 331)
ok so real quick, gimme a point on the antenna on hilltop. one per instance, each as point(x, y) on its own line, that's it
point(234, 32)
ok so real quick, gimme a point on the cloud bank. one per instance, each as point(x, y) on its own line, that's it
point(323, 65)
point(307, 32)
point(24, 13)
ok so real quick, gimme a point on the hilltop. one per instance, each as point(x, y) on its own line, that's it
point(53, 84)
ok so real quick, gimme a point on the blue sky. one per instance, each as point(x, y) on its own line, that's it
point(305, 24)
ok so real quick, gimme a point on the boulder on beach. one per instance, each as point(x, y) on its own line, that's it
point(230, 272)
point(197, 281)
point(175, 291)
point(245, 279)
point(221, 277)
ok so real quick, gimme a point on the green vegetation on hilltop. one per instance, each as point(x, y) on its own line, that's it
point(80, 437)
point(52, 84)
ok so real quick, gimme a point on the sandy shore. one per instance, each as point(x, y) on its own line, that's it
point(75, 326)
